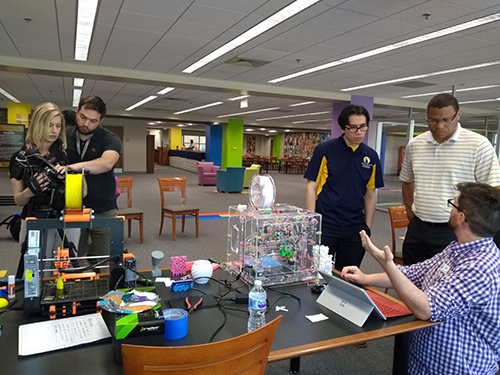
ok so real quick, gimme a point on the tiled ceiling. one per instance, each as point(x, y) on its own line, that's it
point(141, 46)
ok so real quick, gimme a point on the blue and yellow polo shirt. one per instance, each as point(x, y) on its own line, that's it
point(343, 175)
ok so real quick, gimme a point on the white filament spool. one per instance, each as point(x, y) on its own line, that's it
point(262, 191)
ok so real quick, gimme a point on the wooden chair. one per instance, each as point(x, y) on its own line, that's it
point(245, 354)
point(172, 209)
point(130, 213)
point(399, 219)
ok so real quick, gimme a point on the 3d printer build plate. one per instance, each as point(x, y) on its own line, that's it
point(77, 297)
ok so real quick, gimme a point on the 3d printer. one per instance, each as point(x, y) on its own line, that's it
point(272, 242)
point(75, 292)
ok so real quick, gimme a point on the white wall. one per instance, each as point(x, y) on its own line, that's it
point(393, 143)
point(134, 142)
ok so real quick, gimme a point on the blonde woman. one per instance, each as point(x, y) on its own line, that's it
point(37, 170)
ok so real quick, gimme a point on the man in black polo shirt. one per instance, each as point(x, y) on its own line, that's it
point(96, 150)
point(342, 176)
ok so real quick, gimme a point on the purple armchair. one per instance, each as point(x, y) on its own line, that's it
point(207, 173)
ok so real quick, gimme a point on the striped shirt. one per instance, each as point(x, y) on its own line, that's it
point(436, 169)
point(462, 284)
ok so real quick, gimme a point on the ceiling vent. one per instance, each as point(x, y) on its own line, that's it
point(414, 84)
point(243, 61)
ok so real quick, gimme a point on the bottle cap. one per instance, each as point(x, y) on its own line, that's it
point(257, 283)
point(11, 279)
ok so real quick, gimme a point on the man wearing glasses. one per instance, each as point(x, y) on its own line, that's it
point(341, 180)
point(434, 163)
point(459, 287)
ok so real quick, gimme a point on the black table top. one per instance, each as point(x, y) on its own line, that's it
point(295, 336)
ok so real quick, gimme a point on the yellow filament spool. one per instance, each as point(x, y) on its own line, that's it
point(74, 190)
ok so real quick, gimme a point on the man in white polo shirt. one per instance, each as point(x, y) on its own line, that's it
point(434, 163)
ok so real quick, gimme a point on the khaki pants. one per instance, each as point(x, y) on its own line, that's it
point(96, 241)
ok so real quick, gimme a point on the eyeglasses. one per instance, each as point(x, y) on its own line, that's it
point(353, 128)
point(445, 121)
point(452, 204)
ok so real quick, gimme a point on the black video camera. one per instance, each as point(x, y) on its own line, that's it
point(30, 163)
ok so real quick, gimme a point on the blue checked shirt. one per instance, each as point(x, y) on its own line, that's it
point(462, 284)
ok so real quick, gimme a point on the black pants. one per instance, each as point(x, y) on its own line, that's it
point(424, 240)
point(344, 243)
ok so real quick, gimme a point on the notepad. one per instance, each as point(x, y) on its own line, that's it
point(63, 333)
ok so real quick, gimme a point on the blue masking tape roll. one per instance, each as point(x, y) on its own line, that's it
point(176, 324)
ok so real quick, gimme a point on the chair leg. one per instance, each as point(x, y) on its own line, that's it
point(141, 226)
point(174, 220)
point(129, 226)
point(161, 223)
point(197, 223)
point(183, 222)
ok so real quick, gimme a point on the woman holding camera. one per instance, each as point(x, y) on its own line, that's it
point(37, 171)
point(46, 137)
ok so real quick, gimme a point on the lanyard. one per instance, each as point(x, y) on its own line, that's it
point(85, 146)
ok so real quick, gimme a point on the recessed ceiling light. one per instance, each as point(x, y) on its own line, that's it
point(299, 104)
point(197, 108)
point(248, 112)
point(215, 123)
point(272, 131)
point(479, 101)
point(287, 130)
point(391, 47)
point(165, 90)
point(84, 27)
point(449, 91)
point(240, 97)
point(306, 121)
point(7, 95)
point(143, 101)
point(151, 123)
point(249, 130)
point(262, 129)
point(77, 93)
point(285, 13)
point(290, 116)
point(180, 125)
point(78, 82)
point(426, 75)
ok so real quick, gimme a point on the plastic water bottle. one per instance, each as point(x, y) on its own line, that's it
point(256, 306)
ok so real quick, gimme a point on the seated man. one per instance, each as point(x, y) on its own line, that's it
point(459, 287)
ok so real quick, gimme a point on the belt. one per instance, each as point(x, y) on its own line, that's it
point(434, 225)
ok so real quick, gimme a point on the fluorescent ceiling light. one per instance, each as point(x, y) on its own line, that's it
point(248, 112)
point(299, 104)
point(7, 95)
point(305, 121)
point(479, 101)
point(143, 101)
point(262, 129)
point(285, 13)
point(391, 47)
point(180, 125)
point(290, 116)
point(87, 10)
point(78, 82)
point(449, 91)
point(151, 123)
point(165, 90)
point(77, 93)
point(249, 130)
point(287, 130)
point(197, 108)
point(215, 123)
point(240, 97)
point(272, 131)
point(426, 75)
